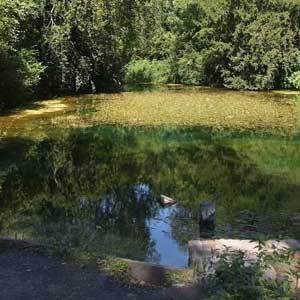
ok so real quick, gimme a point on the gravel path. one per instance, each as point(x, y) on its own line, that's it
point(31, 275)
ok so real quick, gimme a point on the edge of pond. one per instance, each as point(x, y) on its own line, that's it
point(128, 271)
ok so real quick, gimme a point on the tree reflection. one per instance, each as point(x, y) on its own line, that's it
point(96, 188)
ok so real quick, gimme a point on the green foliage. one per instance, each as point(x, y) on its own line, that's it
point(114, 266)
point(294, 80)
point(20, 70)
point(290, 78)
point(145, 71)
point(236, 280)
point(262, 49)
point(190, 69)
point(19, 74)
point(85, 45)
point(237, 44)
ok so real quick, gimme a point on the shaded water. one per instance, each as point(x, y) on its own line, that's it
point(95, 189)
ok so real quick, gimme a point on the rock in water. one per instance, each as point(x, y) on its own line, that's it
point(207, 213)
point(166, 201)
point(207, 220)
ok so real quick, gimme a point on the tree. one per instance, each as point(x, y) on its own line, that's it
point(19, 69)
point(261, 52)
point(87, 43)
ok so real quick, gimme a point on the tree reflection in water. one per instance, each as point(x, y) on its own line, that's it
point(96, 190)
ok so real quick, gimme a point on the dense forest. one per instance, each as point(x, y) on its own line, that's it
point(52, 47)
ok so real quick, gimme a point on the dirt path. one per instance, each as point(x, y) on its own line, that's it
point(30, 275)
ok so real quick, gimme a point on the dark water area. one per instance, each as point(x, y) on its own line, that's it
point(96, 189)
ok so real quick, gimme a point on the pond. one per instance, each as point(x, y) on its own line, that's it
point(84, 174)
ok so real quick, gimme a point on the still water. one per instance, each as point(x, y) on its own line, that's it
point(95, 188)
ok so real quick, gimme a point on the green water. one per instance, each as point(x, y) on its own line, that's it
point(95, 189)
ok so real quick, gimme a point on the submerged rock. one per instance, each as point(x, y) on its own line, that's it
point(166, 201)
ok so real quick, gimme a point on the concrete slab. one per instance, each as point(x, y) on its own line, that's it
point(202, 249)
point(157, 274)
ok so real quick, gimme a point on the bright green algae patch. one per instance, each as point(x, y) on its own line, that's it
point(32, 120)
point(260, 112)
point(209, 108)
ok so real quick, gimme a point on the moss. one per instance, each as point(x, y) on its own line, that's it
point(180, 277)
point(114, 266)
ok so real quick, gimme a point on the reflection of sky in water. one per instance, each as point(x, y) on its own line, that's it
point(161, 234)
point(166, 247)
point(141, 190)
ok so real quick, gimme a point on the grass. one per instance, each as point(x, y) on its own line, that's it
point(177, 277)
point(115, 267)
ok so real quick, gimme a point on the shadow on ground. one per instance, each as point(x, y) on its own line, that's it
point(27, 274)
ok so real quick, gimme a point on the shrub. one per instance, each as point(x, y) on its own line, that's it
point(235, 280)
point(294, 80)
point(19, 74)
point(145, 71)
point(190, 69)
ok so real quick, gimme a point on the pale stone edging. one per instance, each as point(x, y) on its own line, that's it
point(203, 254)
